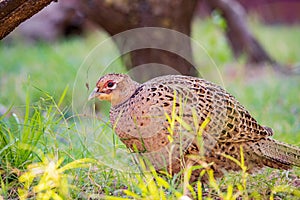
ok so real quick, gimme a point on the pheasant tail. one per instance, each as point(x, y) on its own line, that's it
point(278, 152)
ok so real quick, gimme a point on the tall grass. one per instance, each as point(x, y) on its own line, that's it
point(31, 152)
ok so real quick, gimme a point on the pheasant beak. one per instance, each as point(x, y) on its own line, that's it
point(94, 94)
point(100, 95)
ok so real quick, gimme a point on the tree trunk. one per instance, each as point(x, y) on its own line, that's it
point(14, 12)
point(118, 16)
point(239, 36)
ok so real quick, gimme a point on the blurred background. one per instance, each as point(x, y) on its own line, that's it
point(255, 49)
point(52, 61)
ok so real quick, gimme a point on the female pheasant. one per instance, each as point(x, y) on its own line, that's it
point(163, 118)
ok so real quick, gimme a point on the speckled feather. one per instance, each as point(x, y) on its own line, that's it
point(139, 119)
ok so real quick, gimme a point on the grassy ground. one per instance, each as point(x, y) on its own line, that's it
point(44, 146)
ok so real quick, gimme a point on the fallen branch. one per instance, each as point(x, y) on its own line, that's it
point(14, 12)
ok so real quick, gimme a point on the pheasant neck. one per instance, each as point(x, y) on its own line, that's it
point(127, 89)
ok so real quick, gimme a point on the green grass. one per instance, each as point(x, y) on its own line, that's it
point(281, 43)
point(45, 130)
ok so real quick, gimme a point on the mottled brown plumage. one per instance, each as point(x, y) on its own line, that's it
point(139, 116)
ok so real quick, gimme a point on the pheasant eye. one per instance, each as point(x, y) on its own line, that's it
point(110, 84)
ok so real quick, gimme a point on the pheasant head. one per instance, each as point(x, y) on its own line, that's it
point(115, 88)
